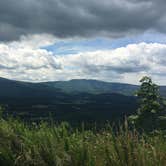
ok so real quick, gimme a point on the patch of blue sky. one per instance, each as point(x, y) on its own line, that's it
point(71, 67)
point(146, 37)
point(76, 46)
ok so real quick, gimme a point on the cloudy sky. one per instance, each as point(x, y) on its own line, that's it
point(110, 40)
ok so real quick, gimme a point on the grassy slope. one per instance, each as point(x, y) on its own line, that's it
point(60, 145)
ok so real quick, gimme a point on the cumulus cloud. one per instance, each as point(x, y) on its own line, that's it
point(27, 61)
point(84, 18)
point(133, 60)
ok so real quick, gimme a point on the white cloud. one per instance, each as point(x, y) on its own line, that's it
point(27, 60)
point(126, 64)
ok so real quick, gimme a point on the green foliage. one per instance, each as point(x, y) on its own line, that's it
point(1, 112)
point(151, 105)
point(61, 145)
point(149, 96)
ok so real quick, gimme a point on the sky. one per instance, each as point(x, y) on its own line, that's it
point(108, 40)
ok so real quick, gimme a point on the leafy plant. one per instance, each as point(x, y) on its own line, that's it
point(151, 105)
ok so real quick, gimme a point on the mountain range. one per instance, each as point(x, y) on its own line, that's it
point(12, 88)
point(74, 100)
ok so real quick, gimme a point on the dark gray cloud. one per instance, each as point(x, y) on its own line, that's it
point(68, 18)
point(3, 67)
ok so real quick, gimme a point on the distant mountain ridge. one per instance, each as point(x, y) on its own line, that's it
point(35, 101)
point(74, 100)
point(93, 86)
point(17, 88)
point(97, 87)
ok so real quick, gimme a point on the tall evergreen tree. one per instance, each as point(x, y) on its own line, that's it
point(150, 105)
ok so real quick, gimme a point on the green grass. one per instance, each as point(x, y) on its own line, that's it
point(60, 145)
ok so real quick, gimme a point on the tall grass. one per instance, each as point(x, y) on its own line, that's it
point(60, 145)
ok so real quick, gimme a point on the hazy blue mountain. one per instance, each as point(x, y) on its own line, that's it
point(96, 87)
point(11, 88)
point(93, 86)
point(17, 89)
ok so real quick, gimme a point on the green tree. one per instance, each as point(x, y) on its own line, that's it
point(150, 105)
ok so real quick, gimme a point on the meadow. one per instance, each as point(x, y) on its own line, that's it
point(47, 144)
